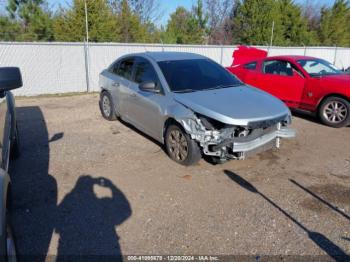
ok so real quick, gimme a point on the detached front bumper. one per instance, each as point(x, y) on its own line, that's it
point(241, 148)
point(231, 143)
point(263, 140)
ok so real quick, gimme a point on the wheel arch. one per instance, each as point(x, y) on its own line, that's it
point(328, 96)
point(173, 114)
point(103, 89)
point(170, 120)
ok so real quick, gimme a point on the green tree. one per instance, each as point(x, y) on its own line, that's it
point(177, 27)
point(252, 22)
point(293, 24)
point(185, 27)
point(69, 24)
point(199, 22)
point(335, 24)
point(129, 28)
point(9, 30)
point(34, 19)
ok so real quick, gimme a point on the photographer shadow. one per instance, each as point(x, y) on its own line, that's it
point(87, 219)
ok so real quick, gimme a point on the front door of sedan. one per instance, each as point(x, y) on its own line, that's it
point(144, 107)
point(283, 80)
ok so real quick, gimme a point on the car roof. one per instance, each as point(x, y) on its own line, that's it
point(170, 56)
point(291, 57)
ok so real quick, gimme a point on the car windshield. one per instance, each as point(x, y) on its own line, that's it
point(196, 75)
point(318, 67)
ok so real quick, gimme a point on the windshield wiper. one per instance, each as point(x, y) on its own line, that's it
point(185, 91)
point(222, 86)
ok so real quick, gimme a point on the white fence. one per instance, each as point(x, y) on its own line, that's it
point(50, 68)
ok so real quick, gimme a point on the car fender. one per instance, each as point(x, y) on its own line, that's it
point(11, 105)
point(4, 185)
point(177, 112)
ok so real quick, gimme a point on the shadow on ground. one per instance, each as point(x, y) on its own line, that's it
point(320, 199)
point(320, 240)
point(85, 220)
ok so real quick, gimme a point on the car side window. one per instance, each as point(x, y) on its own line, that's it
point(125, 68)
point(278, 67)
point(114, 68)
point(145, 72)
point(250, 66)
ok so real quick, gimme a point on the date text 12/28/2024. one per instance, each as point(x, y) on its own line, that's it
point(172, 258)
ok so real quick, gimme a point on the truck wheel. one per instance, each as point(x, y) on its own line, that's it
point(335, 112)
point(107, 106)
point(180, 147)
point(15, 145)
point(10, 244)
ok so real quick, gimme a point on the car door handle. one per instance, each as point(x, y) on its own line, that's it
point(133, 95)
point(116, 84)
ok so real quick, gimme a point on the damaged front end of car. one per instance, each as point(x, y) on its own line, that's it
point(225, 141)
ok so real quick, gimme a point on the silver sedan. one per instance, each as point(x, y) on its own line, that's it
point(193, 106)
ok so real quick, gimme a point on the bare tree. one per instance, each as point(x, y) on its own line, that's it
point(312, 12)
point(219, 12)
point(148, 10)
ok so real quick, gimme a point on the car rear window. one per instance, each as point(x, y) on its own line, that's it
point(250, 66)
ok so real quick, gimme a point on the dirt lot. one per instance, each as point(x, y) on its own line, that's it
point(84, 185)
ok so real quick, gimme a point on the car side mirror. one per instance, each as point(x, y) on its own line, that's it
point(10, 78)
point(149, 87)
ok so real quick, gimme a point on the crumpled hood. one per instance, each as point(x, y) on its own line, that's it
point(234, 106)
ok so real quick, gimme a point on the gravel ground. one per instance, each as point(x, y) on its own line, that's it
point(87, 186)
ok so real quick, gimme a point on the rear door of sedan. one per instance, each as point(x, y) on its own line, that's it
point(120, 75)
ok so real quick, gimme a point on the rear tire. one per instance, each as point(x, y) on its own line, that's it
point(335, 112)
point(180, 147)
point(107, 106)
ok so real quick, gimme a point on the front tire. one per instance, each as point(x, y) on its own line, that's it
point(335, 112)
point(11, 253)
point(10, 245)
point(107, 106)
point(180, 147)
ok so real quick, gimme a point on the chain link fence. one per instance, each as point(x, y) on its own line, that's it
point(56, 68)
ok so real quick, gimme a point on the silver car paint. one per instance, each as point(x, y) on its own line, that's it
point(236, 106)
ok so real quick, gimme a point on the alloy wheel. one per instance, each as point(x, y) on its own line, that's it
point(106, 106)
point(178, 147)
point(335, 112)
